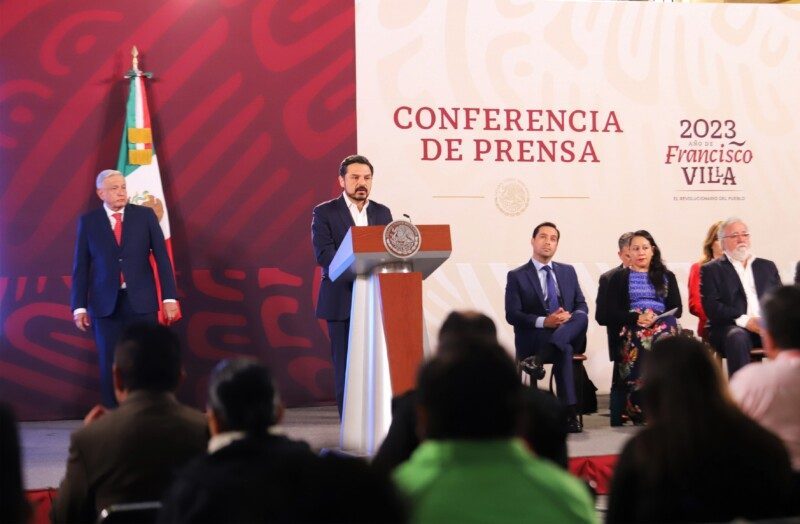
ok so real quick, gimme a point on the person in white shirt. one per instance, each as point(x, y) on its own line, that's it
point(731, 287)
point(769, 392)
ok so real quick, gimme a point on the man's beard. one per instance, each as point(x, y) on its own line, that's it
point(356, 195)
point(740, 253)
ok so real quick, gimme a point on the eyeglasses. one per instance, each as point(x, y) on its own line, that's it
point(738, 235)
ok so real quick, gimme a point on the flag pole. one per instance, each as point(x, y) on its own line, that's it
point(134, 70)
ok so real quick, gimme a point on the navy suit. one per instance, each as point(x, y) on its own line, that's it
point(99, 260)
point(330, 223)
point(525, 303)
point(724, 301)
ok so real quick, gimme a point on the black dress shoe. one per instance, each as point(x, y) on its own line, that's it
point(573, 426)
point(533, 368)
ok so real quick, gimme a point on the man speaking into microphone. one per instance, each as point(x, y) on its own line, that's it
point(329, 224)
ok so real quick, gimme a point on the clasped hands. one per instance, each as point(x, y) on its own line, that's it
point(646, 318)
point(556, 318)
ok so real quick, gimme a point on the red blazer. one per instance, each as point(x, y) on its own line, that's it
point(695, 300)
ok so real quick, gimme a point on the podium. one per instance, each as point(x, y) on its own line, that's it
point(387, 333)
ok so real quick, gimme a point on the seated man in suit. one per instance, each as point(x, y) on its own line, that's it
point(731, 287)
point(130, 454)
point(601, 316)
point(545, 305)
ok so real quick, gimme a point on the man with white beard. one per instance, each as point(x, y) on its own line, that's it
point(731, 288)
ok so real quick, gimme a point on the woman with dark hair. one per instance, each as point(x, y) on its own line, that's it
point(712, 248)
point(700, 459)
point(643, 305)
point(13, 505)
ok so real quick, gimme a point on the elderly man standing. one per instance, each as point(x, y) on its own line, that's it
point(731, 287)
point(112, 280)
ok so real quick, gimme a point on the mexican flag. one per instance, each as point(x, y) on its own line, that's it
point(139, 163)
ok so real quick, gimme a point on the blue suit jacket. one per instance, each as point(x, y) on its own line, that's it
point(329, 224)
point(99, 260)
point(525, 302)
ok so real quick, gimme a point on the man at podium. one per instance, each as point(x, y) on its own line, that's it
point(329, 224)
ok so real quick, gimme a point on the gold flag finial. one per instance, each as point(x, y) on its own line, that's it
point(135, 60)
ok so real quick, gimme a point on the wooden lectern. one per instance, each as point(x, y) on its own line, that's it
point(386, 327)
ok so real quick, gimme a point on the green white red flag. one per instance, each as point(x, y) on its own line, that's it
point(138, 162)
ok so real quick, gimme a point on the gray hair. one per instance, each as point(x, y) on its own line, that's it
point(105, 174)
point(727, 222)
point(624, 239)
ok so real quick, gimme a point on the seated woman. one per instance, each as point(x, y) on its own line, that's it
point(638, 296)
point(711, 249)
point(700, 459)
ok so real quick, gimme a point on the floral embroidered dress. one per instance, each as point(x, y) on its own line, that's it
point(638, 340)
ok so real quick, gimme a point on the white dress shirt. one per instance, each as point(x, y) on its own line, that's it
point(745, 274)
point(359, 217)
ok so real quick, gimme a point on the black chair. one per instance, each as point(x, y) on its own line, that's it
point(131, 513)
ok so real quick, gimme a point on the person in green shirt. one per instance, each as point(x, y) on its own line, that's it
point(470, 468)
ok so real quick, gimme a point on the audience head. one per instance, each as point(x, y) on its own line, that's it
point(624, 252)
point(470, 390)
point(544, 425)
point(467, 324)
point(646, 255)
point(13, 505)
point(712, 247)
point(735, 238)
point(147, 357)
point(545, 241)
point(781, 315)
point(242, 397)
point(682, 385)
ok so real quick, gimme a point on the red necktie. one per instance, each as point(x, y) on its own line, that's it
point(118, 236)
point(118, 227)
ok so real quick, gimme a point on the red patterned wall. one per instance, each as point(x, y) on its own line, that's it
point(253, 107)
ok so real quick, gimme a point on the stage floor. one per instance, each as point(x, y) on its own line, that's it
point(45, 444)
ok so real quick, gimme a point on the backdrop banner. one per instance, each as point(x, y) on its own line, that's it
point(600, 117)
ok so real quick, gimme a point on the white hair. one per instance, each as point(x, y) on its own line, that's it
point(727, 222)
point(105, 174)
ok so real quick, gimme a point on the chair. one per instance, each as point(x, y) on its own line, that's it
point(130, 513)
point(577, 364)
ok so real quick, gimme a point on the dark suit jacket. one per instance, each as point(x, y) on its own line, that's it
point(99, 260)
point(128, 455)
point(525, 302)
point(723, 295)
point(330, 222)
point(249, 480)
point(276, 480)
point(797, 274)
point(618, 305)
point(601, 310)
